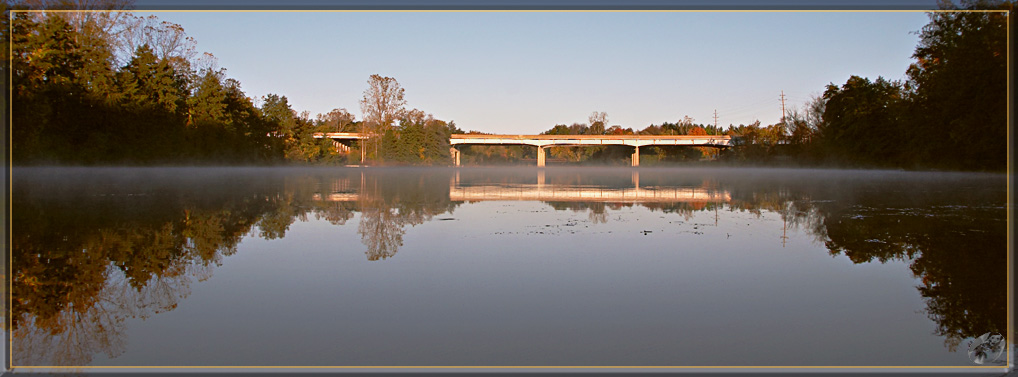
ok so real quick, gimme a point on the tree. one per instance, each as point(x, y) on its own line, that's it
point(337, 120)
point(88, 24)
point(420, 139)
point(73, 103)
point(167, 40)
point(617, 130)
point(803, 127)
point(44, 60)
point(150, 82)
point(250, 126)
point(863, 121)
point(959, 104)
point(381, 105)
point(287, 126)
point(210, 128)
point(814, 114)
point(598, 122)
point(207, 104)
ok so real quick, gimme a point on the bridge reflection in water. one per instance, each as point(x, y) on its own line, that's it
point(585, 194)
point(566, 193)
point(541, 191)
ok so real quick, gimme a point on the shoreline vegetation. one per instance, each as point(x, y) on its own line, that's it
point(112, 88)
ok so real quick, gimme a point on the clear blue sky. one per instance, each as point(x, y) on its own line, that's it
point(524, 72)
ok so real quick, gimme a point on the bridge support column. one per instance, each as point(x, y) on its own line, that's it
point(361, 144)
point(455, 154)
point(540, 156)
point(636, 156)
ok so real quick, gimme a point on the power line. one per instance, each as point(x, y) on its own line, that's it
point(750, 106)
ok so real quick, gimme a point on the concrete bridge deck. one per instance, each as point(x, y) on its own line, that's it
point(340, 135)
point(579, 140)
point(546, 141)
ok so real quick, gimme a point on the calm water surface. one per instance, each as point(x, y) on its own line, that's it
point(503, 267)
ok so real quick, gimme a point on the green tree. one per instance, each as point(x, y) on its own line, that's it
point(381, 105)
point(207, 103)
point(291, 130)
point(960, 87)
point(155, 104)
point(254, 129)
point(42, 64)
point(150, 83)
point(864, 121)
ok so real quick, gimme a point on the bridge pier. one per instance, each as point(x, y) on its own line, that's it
point(340, 147)
point(455, 154)
point(636, 156)
point(540, 156)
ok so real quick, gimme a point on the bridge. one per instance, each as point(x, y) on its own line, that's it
point(338, 139)
point(543, 142)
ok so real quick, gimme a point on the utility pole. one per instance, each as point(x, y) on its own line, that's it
point(715, 118)
point(782, 107)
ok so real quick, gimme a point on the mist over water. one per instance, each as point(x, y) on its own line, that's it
point(504, 266)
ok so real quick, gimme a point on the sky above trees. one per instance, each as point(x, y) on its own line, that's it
point(524, 72)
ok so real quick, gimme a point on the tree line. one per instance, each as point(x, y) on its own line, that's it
point(114, 88)
point(950, 111)
point(97, 88)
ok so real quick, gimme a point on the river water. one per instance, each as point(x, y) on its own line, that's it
point(504, 267)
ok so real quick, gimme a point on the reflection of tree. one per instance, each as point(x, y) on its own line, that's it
point(953, 237)
point(80, 336)
point(391, 200)
point(89, 255)
point(598, 215)
point(92, 250)
point(382, 232)
point(958, 255)
point(335, 213)
point(684, 209)
point(597, 212)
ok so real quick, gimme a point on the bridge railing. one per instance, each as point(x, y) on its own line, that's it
point(591, 137)
point(340, 135)
point(357, 135)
